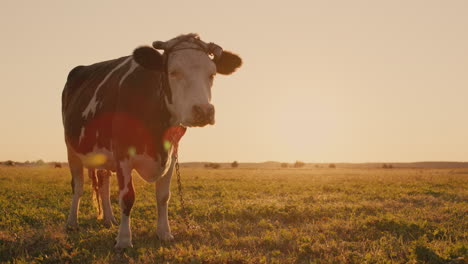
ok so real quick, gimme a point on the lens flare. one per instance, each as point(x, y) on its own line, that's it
point(131, 151)
point(95, 160)
point(167, 145)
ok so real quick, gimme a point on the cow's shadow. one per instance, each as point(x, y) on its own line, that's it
point(92, 240)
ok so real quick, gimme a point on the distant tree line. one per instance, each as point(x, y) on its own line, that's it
point(387, 166)
point(39, 162)
point(300, 164)
point(212, 165)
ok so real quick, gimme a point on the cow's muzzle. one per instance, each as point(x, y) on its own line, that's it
point(203, 114)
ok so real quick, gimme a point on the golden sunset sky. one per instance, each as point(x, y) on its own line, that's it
point(322, 81)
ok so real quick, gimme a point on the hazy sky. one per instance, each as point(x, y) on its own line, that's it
point(322, 80)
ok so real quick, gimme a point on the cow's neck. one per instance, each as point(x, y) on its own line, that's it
point(166, 136)
point(164, 121)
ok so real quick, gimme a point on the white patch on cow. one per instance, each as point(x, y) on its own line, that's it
point(77, 193)
point(162, 198)
point(133, 66)
point(127, 174)
point(148, 168)
point(91, 108)
point(190, 82)
point(124, 238)
point(82, 133)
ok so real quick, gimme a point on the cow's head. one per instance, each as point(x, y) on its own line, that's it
point(190, 66)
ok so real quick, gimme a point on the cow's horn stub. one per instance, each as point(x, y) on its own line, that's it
point(215, 50)
point(159, 45)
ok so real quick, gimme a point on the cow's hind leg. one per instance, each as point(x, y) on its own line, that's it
point(96, 197)
point(126, 200)
point(76, 169)
point(104, 192)
point(162, 199)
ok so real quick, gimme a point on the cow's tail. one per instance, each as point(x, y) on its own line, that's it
point(97, 199)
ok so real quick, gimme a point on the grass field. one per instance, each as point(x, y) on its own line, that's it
point(248, 216)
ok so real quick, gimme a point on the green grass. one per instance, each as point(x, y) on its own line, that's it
point(248, 216)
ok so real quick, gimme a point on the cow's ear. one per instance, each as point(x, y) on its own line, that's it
point(148, 58)
point(227, 63)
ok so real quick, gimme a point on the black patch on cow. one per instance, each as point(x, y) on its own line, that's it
point(78, 92)
point(72, 75)
point(227, 63)
point(148, 58)
point(120, 178)
point(129, 199)
point(130, 117)
point(143, 116)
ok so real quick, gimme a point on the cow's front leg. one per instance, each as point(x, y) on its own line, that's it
point(126, 199)
point(162, 198)
point(76, 169)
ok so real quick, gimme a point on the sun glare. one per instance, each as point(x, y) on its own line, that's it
point(95, 160)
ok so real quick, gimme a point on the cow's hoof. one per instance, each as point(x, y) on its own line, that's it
point(123, 244)
point(165, 236)
point(71, 226)
point(107, 224)
point(110, 222)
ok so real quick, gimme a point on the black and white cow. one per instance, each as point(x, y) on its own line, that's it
point(129, 113)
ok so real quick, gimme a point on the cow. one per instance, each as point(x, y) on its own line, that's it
point(129, 114)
